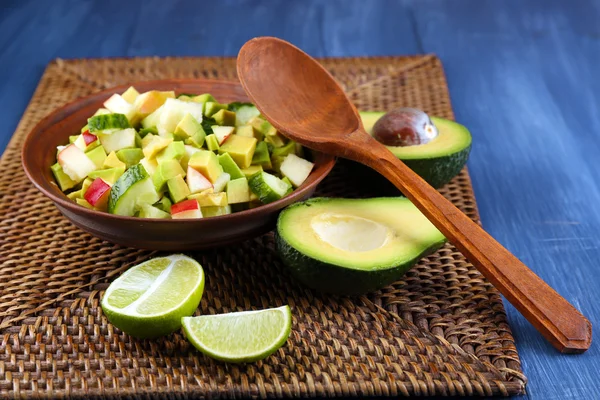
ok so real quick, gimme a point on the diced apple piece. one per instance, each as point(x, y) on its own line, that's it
point(118, 105)
point(101, 111)
point(196, 181)
point(152, 120)
point(296, 169)
point(130, 95)
point(88, 138)
point(186, 209)
point(173, 112)
point(221, 182)
point(86, 141)
point(147, 103)
point(222, 132)
point(97, 194)
point(75, 163)
point(118, 140)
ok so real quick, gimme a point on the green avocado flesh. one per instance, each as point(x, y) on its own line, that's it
point(438, 161)
point(354, 246)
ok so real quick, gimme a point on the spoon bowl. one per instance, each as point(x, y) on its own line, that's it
point(304, 102)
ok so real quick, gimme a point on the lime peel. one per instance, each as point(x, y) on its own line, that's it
point(165, 291)
point(237, 337)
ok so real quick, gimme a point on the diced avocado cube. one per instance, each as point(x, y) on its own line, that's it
point(211, 108)
point(240, 148)
point(261, 156)
point(73, 138)
point(109, 175)
point(210, 199)
point(212, 143)
point(164, 204)
point(112, 161)
point(174, 151)
point(75, 195)
point(185, 97)
point(224, 117)
point(87, 182)
point(276, 163)
point(98, 156)
point(144, 131)
point(85, 128)
point(130, 156)
point(149, 164)
point(189, 150)
point(138, 140)
point(238, 191)
point(277, 139)
point(148, 211)
point(262, 126)
point(244, 130)
point(207, 163)
point(196, 140)
point(189, 127)
point(147, 139)
point(288, 148)
point(251, 170)
point(204, 98)
point(178, 189)
point(63, 180)
point(166, 170)
point(230, 166)
point(130, 95)
point(215, 211)
point(152, 145)
point(83, 202)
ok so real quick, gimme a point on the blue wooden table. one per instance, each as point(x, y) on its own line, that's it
point(524, 76)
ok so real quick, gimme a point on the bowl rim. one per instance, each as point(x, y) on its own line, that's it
point(73, 106)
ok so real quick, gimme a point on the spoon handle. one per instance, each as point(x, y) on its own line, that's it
point(556, 319)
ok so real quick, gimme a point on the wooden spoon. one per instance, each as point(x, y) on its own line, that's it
point(303, 101)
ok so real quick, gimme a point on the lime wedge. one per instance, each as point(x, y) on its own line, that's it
point(240, 336)
point(149, 299)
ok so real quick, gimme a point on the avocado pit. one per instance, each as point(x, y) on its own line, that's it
point(404, 127)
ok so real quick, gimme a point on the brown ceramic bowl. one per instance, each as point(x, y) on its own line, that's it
point(39, 153)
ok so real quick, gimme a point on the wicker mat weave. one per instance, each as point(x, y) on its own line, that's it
point(442, 330)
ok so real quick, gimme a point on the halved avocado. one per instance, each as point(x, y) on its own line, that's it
point(437, 161)
point(353, 246)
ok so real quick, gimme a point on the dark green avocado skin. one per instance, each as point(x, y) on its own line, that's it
point(440, 170)
point(331, 278)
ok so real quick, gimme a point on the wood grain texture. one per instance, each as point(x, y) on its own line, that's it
point(522, 75)
point(303, 101)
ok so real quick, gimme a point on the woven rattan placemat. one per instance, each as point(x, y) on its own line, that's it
point(442, 330)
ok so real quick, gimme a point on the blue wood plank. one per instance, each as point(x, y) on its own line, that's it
point(524, 79)
point(522, 75)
